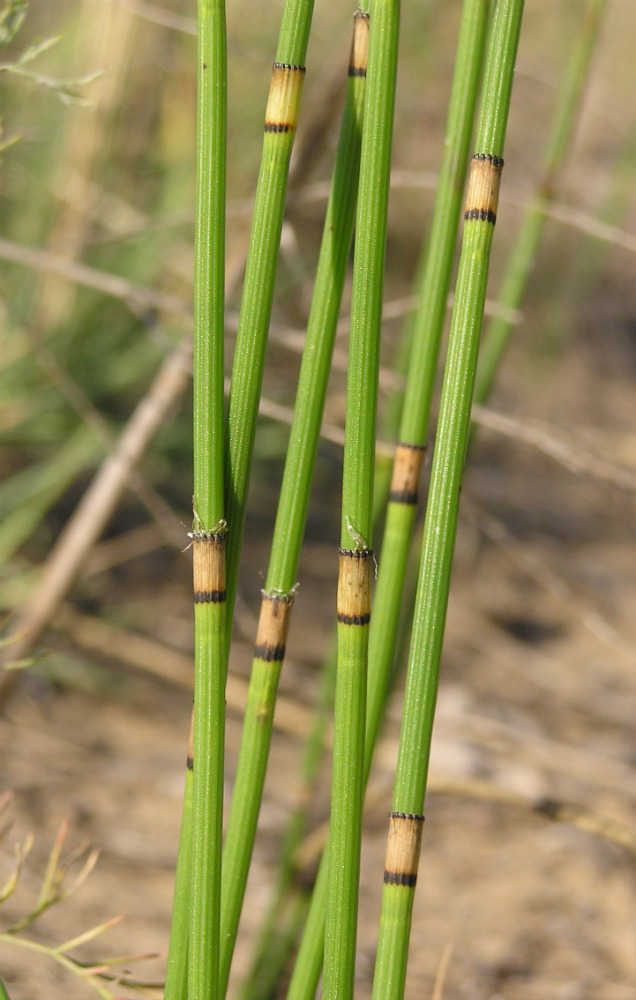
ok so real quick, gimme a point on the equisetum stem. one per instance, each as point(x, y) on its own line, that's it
point(321, 326)
point(356, 561)
point(278, 595)
point(480, 214)
point(281, 117)
point(353, 614)
point(208, 748)
point(209, 276)
point(432, 283)
point(263, 968)
point(524, 252)
point(194, 944)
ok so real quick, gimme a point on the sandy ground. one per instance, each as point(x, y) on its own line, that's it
point(536, 702)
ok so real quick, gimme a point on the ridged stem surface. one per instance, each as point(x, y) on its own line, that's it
point(405, 826)
point(278, 594)
point(194, 945)
point(432, 283)
point(355, 557)
point(281, 118)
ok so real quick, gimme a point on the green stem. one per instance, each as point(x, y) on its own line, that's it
point(176, 986)
point(313, 754)
point(292, 509)
point(204, 791)
point(441, 517)
point(321, 326)
point(210, 660)
point(523, 256)
point(281, 117)
point(432, 282)
point(247, 373)
point(355, 560)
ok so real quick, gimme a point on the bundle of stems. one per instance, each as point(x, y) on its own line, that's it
point(432, 282)
point(278, 594)
point(211, 881)
point(212, 869)
point(406, 821)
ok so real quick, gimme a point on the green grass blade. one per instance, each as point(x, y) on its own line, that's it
point(405, 826)
point(28, 495)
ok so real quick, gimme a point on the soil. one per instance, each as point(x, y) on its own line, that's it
point(536, 703)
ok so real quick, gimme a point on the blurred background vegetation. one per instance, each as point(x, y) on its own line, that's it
point(99, 182)
point(107, 180)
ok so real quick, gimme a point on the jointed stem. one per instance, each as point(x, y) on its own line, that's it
point(356, 559)
point(194, 944)
point(432, 281)
point(281, 118)
point(402, 855)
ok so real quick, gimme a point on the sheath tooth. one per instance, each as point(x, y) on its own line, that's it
point(283, 103)
point(483, 188)
point(403, 849)
point(359, 44)
point(208, 564)
point(273, 625)
point(407, 468)
point(354, 586)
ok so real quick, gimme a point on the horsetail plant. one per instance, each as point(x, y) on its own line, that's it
point(432, 281)
point(281, 118)
point(278, 594)
point(406, 413)
point(210, 882)
point(355, 554)
point(524, 252)
point(286, 895)
point(198, 888)
point(406, 820)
